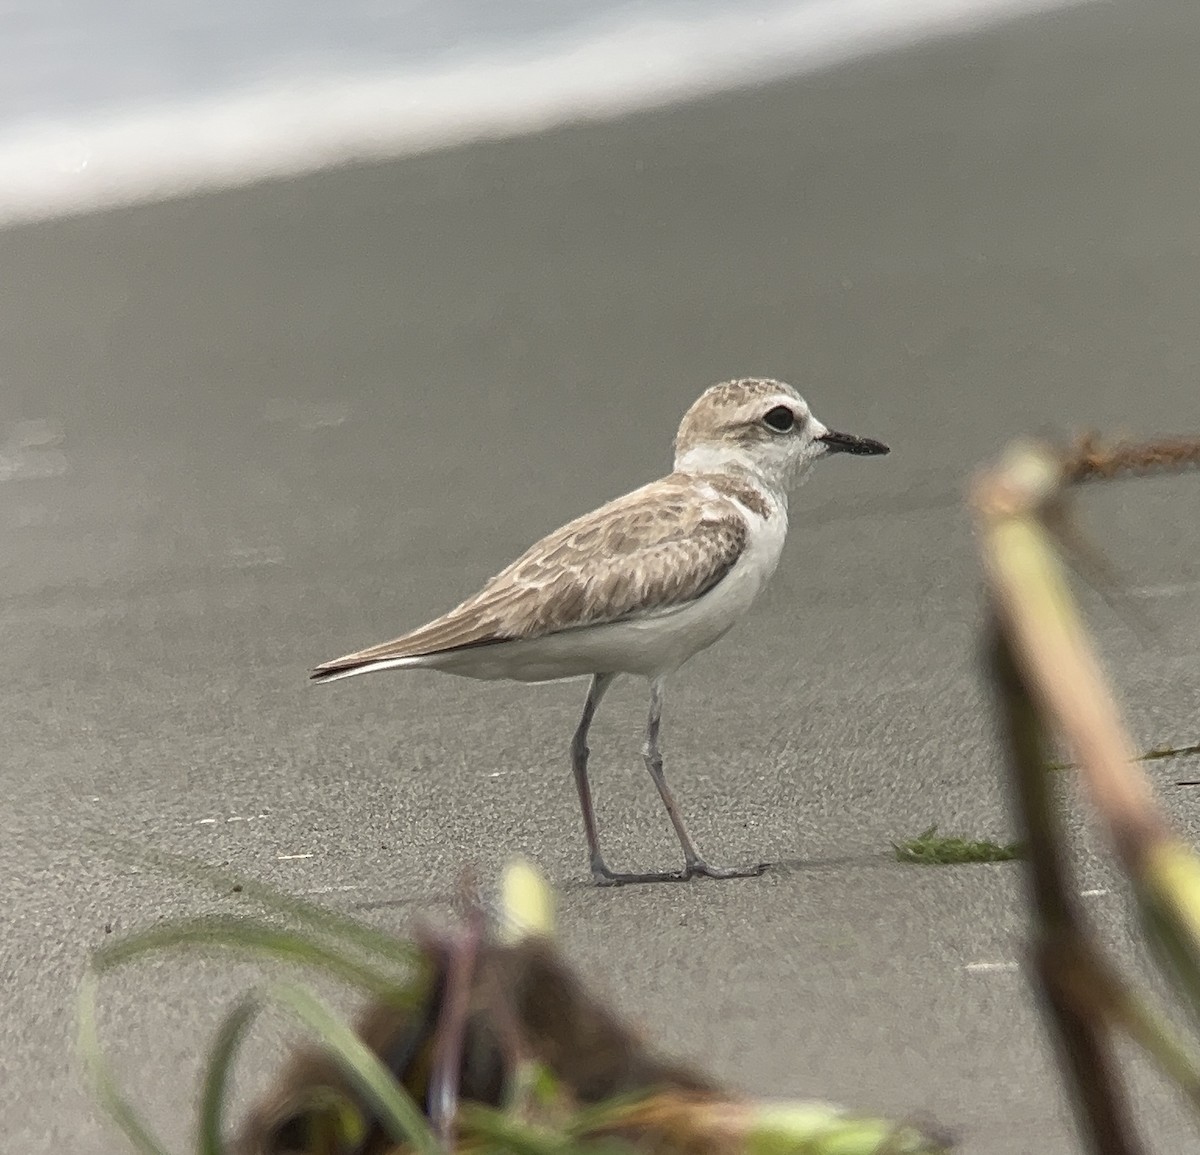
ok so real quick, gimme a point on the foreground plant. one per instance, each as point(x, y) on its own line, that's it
point(1049, 686)
point(480, 1039)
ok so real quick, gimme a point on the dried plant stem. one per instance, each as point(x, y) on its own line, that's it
point(451, 1030)
point(1090, 459)
point(1054, 658)
point(1062, 954)
point(1047, 676)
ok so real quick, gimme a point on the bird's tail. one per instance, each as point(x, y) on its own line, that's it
point(349, 666)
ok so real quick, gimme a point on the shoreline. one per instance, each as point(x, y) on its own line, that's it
point(300, 125)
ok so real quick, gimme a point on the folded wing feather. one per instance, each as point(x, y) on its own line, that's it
point(652, 550)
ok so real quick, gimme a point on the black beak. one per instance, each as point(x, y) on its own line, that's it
point(848, 443)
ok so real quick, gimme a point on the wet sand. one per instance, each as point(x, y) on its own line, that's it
point(247, 432)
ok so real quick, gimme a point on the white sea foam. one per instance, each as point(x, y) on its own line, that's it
point(292, 123)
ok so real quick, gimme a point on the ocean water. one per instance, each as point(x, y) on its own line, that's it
point(116, 101)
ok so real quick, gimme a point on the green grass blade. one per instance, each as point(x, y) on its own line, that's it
point(506, 1133)
point(503, 1132)
point(318, 918)
point(255, 939)
point(216, 1078)
point(104, 1085)
point(821, 1129)
point(398, 1114)
point(1157, 1036)
point(1168, 894)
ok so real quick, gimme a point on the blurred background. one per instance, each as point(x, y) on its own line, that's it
point(313, 315)
point(108, 102)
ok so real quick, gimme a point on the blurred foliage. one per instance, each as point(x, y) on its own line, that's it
point(1051, 690)
point(479, 1039)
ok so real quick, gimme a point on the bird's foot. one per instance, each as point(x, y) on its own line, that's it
point(696, 868)
point(602, 876)
point(700, 869)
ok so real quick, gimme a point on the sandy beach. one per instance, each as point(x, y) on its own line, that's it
point(246, 432)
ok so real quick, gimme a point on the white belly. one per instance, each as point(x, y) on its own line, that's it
point(650, 646)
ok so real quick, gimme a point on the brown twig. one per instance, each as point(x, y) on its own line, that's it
point(1047, 675)
point(450, 1035)
point(1052, 652)
point(1089, 459)
point(1066, 963)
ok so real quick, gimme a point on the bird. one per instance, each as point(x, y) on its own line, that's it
point(639, 585)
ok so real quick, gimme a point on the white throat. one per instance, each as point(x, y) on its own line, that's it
point(712, 458)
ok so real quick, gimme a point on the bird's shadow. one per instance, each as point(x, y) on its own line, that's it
point(583, 885)
point(778, 867)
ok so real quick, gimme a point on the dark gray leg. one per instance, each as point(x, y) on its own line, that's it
point(693, 863)
point(601, 873)
point(579, 761)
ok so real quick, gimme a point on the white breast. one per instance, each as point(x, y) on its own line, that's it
point(704, 621)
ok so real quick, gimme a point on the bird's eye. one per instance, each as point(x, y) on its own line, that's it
point(781, 418)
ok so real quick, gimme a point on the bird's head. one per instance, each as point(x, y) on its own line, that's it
point(762, 427)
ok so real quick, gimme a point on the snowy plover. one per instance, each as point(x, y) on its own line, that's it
point(641, 584)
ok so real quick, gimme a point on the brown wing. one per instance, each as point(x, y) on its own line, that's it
point(659, 547)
